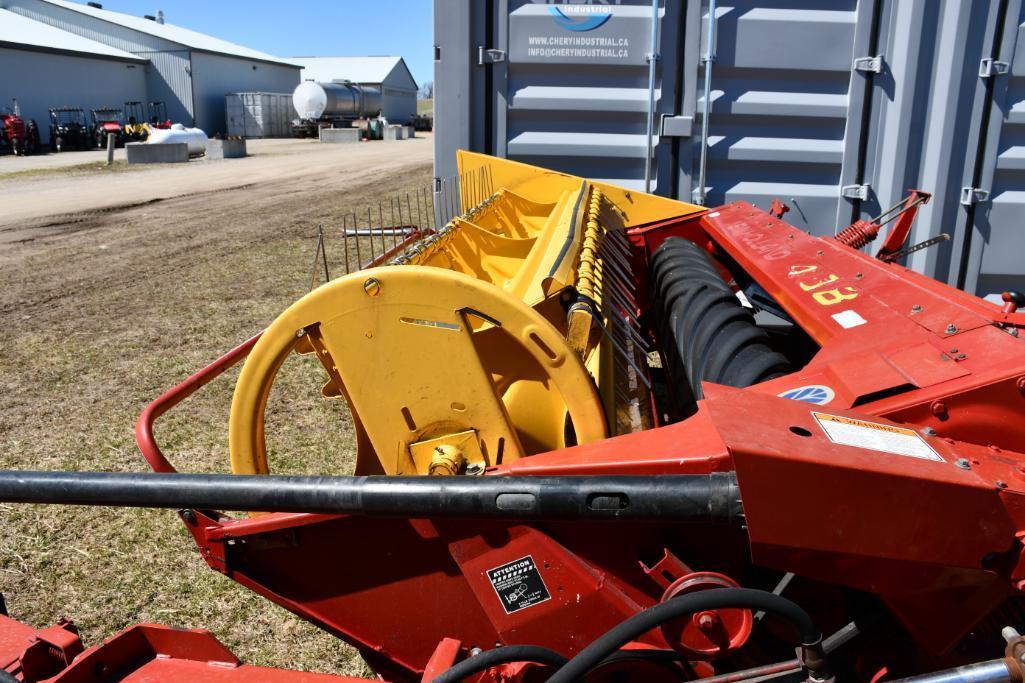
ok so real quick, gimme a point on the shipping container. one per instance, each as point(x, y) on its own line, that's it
point(259, 114)
point(835, 108)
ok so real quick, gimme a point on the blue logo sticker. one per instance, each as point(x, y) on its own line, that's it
point(818, 394)
point(587, 23)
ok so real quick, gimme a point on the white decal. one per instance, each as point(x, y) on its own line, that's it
point(876, 437)
point(848, 319)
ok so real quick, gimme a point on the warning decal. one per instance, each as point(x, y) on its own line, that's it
point(518, 584)
point(876, 437)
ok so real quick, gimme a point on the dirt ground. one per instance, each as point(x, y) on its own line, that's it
point(113, 287)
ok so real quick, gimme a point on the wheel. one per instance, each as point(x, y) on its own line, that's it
point(456, 339)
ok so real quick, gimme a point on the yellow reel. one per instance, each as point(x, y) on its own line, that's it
point(443, 373)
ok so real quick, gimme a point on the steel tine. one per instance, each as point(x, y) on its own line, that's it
point(316, 257)
point(409, 212)
point(380, 219)
point(355, 229)
point(419, 213)
point(370, 229)
point(345, 241)
point(323, 250)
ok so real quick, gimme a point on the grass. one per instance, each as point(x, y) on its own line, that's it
point(119, 166)
point(97, 322)
point(425, 106)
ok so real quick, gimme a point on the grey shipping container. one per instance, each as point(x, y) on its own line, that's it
point(836, 108)
point(259, 114)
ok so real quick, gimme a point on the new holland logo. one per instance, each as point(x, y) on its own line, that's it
point(815, 393)
point(590, 17)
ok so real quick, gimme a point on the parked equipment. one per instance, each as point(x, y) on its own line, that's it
point(607, 436)
point(135, 128)
point(68, 129)
point(107, 120)
point(16, 134)
point(336, 104)
point(158, 115)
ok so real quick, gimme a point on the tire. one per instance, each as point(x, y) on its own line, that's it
point(705, 333)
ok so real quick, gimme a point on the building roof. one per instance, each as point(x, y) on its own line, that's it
point(21, 32)
point(355, 69)
point(175, 34)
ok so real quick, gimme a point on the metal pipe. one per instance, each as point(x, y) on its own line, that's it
point(706, 110)
point(993, 671)
point(652, 65)
point(684, 498)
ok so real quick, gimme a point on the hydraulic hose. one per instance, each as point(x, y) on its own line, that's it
point(719, 598)
point(501, 655)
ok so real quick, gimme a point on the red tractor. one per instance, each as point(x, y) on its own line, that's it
point(21, 136)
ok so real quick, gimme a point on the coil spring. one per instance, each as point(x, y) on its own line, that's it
point(858, 234)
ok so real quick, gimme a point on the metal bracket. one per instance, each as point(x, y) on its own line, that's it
point(855, 192)
point(676, 126)
point(873, 65)
point(988, 68)
point(973, 195)
point(489, 56)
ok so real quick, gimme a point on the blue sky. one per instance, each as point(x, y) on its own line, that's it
point(312, 27)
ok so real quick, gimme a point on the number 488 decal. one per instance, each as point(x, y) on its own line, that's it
point(814, 283)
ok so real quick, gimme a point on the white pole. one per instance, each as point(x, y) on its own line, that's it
point(709, 57)
point(652, 64)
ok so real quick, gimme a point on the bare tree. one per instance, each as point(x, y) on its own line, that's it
point(426, 91)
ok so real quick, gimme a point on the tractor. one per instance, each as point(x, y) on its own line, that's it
point(135, 128)
point(68, 129)
point(607, 436)
point(107, 121)
point(158, 115)
point(21, 137)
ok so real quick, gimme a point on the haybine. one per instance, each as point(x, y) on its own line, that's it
point(608, 436)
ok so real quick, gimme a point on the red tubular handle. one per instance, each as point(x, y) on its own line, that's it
point(175, 395)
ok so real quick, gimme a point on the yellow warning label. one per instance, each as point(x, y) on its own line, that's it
point(875, 436)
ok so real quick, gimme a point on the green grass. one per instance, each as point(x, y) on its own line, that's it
point(96, 323)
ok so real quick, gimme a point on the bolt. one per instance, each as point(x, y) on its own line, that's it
point(939, 409)
point(858, 276)
point(961, 356)
point(953, 350)
point(820, 253)
point(951, 328)
point(474, 651)
point(300, 332)
point(963, 463)
point(1021, 385)
point(188, 516)
point(475, 468)
point(1013, 331)
point(707, 621)
point(1001, 484)
point(929, 431)
point(372, 286)
point(916, 309)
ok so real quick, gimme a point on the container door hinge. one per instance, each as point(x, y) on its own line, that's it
point(988, 68)
point(973, 195)
point(489, 56)
point(869, 65)
point(855, 192)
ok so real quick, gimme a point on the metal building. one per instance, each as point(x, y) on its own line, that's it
point(43, 67)
point(836, 108)
point(390, 74)
point(189, 71)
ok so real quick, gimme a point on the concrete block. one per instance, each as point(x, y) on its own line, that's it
point(410, 132)
point(339, 134)
point(394, 132)
point(225, 149)
point(159, 153)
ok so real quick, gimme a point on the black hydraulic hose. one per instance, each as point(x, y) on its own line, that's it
point(681, 498)
point(501, 655)
point(719, 598)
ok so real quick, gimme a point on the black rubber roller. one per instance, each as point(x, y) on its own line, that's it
point(706, 334)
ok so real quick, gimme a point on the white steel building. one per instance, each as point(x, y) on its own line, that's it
point(43, 67)
point(190, 72)
point(390, 74)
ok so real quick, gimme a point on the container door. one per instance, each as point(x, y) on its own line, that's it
point(990, 245)
point(572, 90)
point(788, 108)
